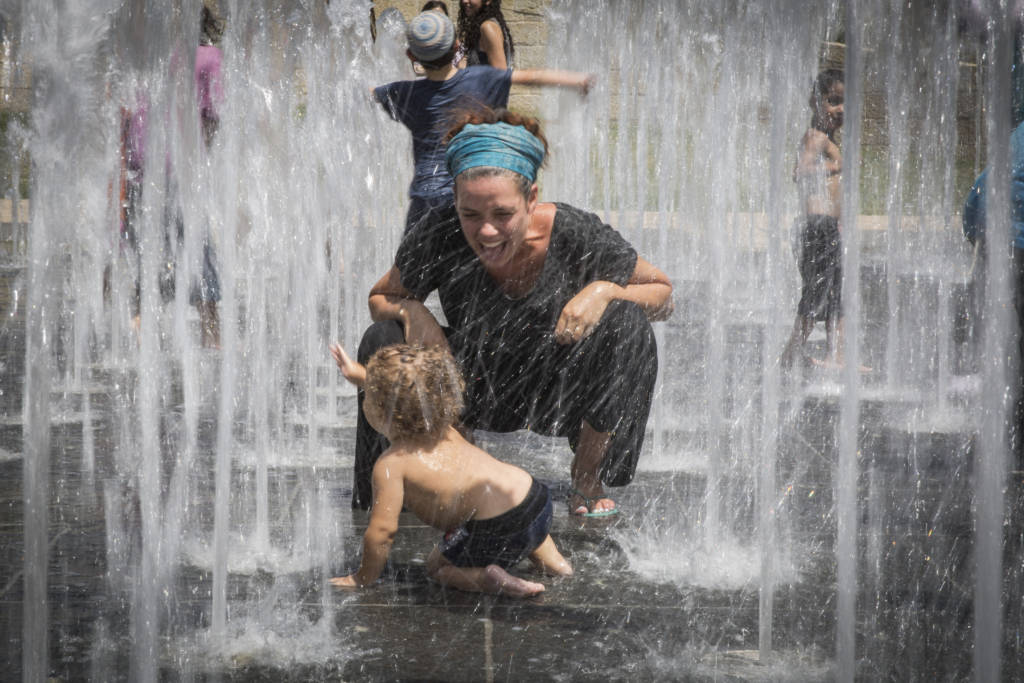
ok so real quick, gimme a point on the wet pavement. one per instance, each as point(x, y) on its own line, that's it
point(606, 622)
point(652, 598)
point(664, 591)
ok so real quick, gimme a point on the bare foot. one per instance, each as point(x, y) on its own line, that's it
point(548, 560)
point(497, 580)
point(209, 325)
point(834, 364)
point(344, 581)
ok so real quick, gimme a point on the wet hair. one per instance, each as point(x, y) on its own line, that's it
point(444, 60)
point(469, 27)
point(487, 115)
point(211, 26)
point(823, 83)
point(434, 4)
point(418, 389)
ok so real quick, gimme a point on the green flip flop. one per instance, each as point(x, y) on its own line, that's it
point(589, 504)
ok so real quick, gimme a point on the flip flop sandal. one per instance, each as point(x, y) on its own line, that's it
point(589, 504)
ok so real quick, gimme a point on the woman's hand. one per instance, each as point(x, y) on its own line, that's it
point(421, 327)
point(389, 300)
point(583, 312)
point(352, 371)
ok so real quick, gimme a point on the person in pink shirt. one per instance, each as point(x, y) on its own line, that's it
point(205, 290)
point(209, 97)
point(209, 86)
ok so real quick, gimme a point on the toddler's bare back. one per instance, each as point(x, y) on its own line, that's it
point(453, 481)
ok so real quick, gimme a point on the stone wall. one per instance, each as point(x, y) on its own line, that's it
point(15, 102)
point(15, 83)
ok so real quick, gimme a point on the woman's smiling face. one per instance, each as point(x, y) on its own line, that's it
point(495, 217)
point(472, 7)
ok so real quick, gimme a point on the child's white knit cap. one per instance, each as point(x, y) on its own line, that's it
point(430, 36)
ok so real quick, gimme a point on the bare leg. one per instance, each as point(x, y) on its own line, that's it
point(835, 338)
point(586, 468)
point(801, 330)
point(834, 342)
point(490, 579)
point(209, 324)
point(547, 559)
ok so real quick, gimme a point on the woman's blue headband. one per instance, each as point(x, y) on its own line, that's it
point(495, 144)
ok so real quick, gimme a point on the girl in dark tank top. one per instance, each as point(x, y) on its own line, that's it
point(481, 24)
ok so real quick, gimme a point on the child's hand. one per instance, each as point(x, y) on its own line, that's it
point(588, 82)
point(354, 372)
point(344, 581)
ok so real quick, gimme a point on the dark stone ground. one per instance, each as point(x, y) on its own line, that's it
point(648, 601)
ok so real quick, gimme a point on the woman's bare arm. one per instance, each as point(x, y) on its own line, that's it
point(389, 300)
point(493, 43)
point(651, 289)
point(647, 287)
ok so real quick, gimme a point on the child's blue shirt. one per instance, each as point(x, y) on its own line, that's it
point(974, 208)
point(428, 109)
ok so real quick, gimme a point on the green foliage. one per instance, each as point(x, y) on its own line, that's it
point(14, 160)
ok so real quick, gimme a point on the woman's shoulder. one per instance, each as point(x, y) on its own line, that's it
point(573, 229)
point(208, 59)
point(581, 232)
point(573, 218)
point(491, 28)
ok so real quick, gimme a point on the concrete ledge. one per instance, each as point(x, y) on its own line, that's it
point(759, 226)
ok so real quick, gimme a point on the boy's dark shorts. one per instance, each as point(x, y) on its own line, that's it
point(503, 540)
point(821, 269)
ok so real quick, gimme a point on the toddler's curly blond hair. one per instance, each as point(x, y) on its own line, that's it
point(417, 389)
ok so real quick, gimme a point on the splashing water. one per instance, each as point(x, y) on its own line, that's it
point(223, 474)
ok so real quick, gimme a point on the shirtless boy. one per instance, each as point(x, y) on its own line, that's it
point(817, 170)
point(493, 514)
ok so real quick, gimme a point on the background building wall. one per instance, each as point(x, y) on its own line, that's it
point(528, 22)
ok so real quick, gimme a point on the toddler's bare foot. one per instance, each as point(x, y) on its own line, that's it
point(497, 580)
point(548, 560)
point(559, 568)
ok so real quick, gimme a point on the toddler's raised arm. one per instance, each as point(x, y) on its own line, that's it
point(352, 371)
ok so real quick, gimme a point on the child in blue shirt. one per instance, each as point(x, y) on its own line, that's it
point(428, 106)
